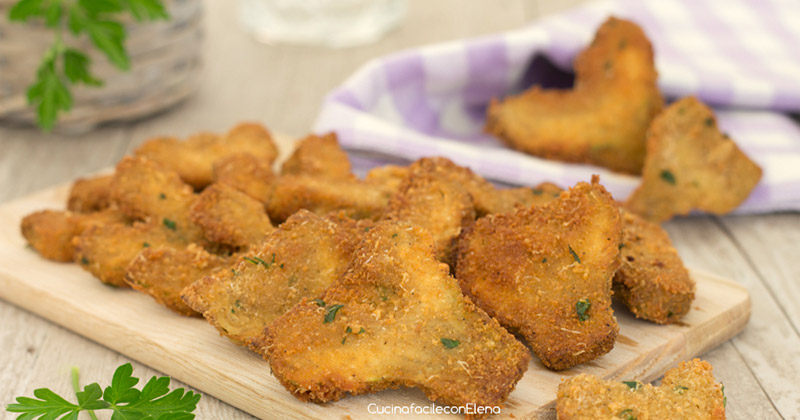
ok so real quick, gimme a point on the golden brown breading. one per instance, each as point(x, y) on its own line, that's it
point(193, 159)
point(652, 281)
point(687, 392)
point(90, 194)
point(145, 191)
point(506, 200)
point(247, 174)
point(603, 119)
point(164, 272)
point(545, 272)
point(230, 217)
point(691, 165)
point(50, 232)
point(105, 250)
point(319, 156)
point(430, 199)
point(358, 199)
point(395, 318)
point(300, 258)
point(388, 176)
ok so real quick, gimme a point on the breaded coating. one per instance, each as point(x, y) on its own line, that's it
point(358, 199)
point(506, 200)
point(388, 176)
point(603, 119)
point(247, 174)
point(395, 318)
point(691, 165)
point(145, 191)
point(430, 199)
point(652, 281)
point(164, 272)
point(90, 194)
point(319, 156)
point(688, 391)
point(229, 216)
point(545, 273)
point(50, 232)
point(193, 159)
point(105, 250)
point(299, 259)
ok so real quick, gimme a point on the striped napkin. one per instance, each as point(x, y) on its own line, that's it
point(739, 56)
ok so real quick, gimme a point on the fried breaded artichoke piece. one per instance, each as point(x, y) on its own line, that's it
point(395, 318)
point(603, 119)
point(652, 281)
point(545, 273)
point(430, 199)
point(90, 194)
point(301, 258)
point(388, 176)
point(247, 174)
point(687, 392)
point(691, 165)
point(164, 272)
point(193, 159)
point(319, 156)
point(229, 216)
point(50, 232)
point(145, 191)
point(106, 250)
point(358, 199)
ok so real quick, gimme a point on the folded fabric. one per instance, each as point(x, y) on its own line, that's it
point(740, 57)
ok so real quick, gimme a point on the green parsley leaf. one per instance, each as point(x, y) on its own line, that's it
point(724, 398)
point(109, 36)
point(574, 254)
point(633, 385)
point(668, 177)
point(48, 92)
point(319, 302)
point(450, 343)
point(626, 414)
point(146, 9)
point(170, 224)
point(25, 9)
point(76, 67)
point(331, 314)
point(582, 307)
point(52, 16)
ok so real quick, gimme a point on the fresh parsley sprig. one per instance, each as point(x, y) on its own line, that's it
point(153, 402)
point(62, 66)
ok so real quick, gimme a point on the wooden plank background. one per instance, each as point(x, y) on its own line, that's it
point(759, 367)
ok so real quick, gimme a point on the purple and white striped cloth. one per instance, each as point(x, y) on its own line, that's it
point(741, 57)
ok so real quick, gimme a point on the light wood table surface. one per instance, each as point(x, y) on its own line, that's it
point(283, 86)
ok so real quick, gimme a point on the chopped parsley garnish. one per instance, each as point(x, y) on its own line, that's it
point(633, 385)
point(162, 196)
point(709, 122)
point(622, 44)
point(574, 254)
point(145, 245)
point(331, 314)
point(544, 260)
point(170, 224)
point(255, 260)
point(319, 302)
point(361, 330)
point(537, 191)
point(680, 389)
point(366, 229)
point(251, 260)
point(626, 414)
point(581, 307)
point(620, 246)
point(84, 260)
point(234, 272)
point(668, 177)
point(450, 343)
point(348, 329)
point(394, 235)
point(724, 397)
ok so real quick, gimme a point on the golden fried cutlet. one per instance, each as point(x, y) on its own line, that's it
point(247, 174)
point(506, 200)
point(652, 281)
point(395, 318)
point(358, 199)
point(145, 191)
point(193, 159)
point(300, 258)
point(545, 273)
point(229, 216)
point(691, 165)
point(50, 232)
point(687, 392)
point(105, 250)
point(164, 272)
point(430, 199)
point(90, 194)
point(387, 176)
point(603, 119)
point(319, 156)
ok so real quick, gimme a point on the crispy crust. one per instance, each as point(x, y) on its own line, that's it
point(247, 174)
point(230, 217)
point(529, 269)
point(50, 232)
point(319, 156)
point(406, 303)
point(304, 256)
point(687, 392)
point(603, 119)
point(193, 159)
point(90, 194)
point(691, 165)
point(652, 281)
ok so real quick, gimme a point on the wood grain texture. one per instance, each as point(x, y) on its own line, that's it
point(191, 350)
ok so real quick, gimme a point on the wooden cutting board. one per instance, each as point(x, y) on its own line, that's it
point(190, 350)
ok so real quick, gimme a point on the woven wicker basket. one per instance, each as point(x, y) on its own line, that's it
point(165, 68)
